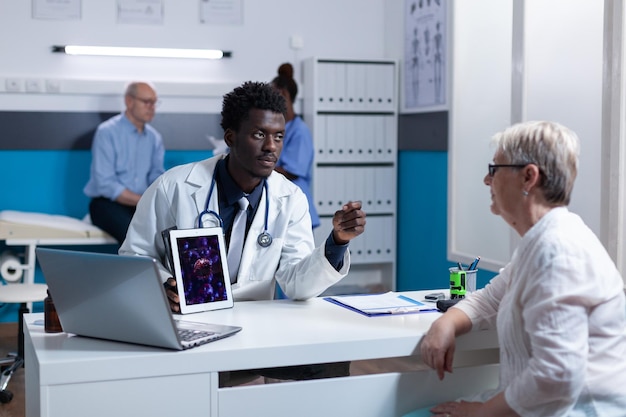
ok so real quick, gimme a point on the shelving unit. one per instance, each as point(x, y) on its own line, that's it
point(351, 108)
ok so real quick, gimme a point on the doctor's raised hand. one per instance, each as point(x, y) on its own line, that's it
point(348, 223)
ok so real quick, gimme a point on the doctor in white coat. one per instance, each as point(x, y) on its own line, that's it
point(253, 118)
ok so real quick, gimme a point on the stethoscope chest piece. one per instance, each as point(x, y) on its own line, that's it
point(264, 239)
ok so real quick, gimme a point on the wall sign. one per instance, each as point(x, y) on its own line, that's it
point(56, 9)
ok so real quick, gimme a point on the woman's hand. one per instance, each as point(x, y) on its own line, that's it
point(458, 409)
point(496, 406)
point(437, 347)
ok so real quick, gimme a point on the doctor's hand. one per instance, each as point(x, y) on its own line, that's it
point(348, 223)
point(172, 294)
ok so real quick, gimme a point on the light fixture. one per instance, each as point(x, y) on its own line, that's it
point(142, 52)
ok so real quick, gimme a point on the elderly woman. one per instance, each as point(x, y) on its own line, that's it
point(558, 305)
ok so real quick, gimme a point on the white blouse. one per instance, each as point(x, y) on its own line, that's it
point(560, 312)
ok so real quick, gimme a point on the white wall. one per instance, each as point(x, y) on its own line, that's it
point(394, 29)
point(329, 29)
point(521, 60)
point(480, 106)
point(613, 202)
point(564, 83)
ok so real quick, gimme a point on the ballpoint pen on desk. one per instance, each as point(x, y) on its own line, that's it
point(474, 264)
point(406, 310)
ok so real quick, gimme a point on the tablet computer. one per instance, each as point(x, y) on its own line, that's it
point(201, 269)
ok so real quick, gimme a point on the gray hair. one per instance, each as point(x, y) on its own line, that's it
point(552, 147)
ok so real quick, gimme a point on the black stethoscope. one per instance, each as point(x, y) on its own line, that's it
point(264, 239)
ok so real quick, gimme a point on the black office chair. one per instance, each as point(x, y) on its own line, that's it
point(10, 364)
point(14, 291)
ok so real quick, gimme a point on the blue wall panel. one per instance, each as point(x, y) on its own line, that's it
point(422, 230)
point(52, 181)
point(422, 222)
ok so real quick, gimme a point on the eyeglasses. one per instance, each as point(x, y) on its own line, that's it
point(148, 102)
point(494, 167)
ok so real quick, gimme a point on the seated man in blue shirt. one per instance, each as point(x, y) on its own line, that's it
point(127, 156)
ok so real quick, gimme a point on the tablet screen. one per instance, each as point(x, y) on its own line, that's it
point(200, 269)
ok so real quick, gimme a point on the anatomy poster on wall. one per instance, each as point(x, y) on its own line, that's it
point(424, 85)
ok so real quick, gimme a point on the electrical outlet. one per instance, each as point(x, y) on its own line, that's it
point(33, 85)
point(296, 42)
point(13, 85)
point(53, 86)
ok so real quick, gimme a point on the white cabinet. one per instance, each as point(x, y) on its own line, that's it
point(351, 108)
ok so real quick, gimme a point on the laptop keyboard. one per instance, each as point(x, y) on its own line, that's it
point(191, 335)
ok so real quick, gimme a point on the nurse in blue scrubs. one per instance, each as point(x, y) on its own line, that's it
point(296, 159)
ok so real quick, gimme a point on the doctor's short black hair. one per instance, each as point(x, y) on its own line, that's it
point(250, 95)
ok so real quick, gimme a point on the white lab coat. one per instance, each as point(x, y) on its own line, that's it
point(179, 196)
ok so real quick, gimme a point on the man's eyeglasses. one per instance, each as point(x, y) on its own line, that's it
point(148, 102)
point(494, 167)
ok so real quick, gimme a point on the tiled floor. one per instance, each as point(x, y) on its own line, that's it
point(8, 343)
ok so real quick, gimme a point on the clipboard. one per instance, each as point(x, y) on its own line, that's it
point(386, 304)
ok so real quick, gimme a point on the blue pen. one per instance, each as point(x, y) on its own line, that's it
point(474, 264)
point(460, 266)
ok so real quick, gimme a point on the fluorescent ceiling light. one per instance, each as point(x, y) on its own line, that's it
point(142, 52)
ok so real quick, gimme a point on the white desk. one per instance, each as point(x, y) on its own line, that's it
point(75, 376)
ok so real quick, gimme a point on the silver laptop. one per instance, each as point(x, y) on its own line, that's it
point(119, 298)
